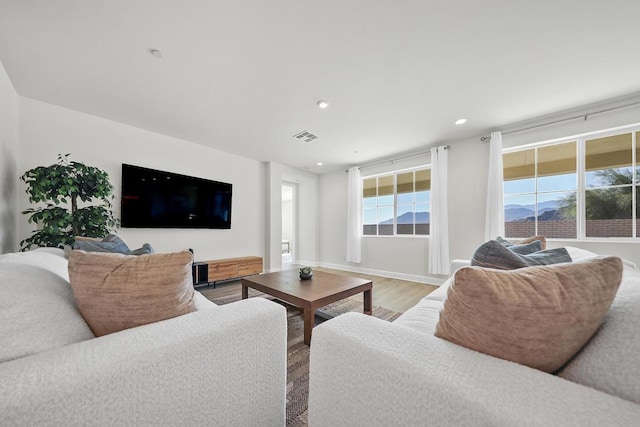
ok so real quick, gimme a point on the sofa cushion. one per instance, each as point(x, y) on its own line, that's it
point(609, 362)
point(37, 309)
point(440, 294)
point(422, 317)
point(493, 254)
point(201, 302)
point(116, 292)
point(537, 316)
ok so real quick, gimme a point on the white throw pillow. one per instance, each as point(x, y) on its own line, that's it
point(37, 310)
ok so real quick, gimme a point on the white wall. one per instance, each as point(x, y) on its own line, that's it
point(333, 218)
point(391, 256)
point(273, 217)
point(46, 130)
point(9, 131)
point(468, 168)
point(621, 117)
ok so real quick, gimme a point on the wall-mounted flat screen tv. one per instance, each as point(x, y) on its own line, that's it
point(157, 199)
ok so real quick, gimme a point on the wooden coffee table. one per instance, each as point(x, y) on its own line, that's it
point(309, 295)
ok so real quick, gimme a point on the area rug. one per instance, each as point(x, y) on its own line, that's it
point(298, 352)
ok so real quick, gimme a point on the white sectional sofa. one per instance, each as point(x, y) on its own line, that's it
point(368, 372)
point(221, 365)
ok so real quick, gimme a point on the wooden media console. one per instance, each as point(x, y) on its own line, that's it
point(207, 272)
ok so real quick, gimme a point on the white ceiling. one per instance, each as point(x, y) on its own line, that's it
point(244, 76)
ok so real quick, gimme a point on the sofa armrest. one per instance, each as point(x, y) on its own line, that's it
point(365, 371)
point(457, 264)
point(221, 366)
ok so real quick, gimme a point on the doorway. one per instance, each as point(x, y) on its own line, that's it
point(288, 223)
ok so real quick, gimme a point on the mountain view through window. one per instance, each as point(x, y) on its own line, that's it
point(397, 204)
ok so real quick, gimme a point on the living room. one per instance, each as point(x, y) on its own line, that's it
point(38, 131)
point(584, 82)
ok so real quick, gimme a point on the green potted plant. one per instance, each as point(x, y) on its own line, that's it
point(62, 186)
point(306, 273)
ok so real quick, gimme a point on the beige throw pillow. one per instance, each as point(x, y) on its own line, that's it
point(536, 316)
point(541, 239)
point(115, 292)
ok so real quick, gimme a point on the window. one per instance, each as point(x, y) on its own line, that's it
point(396, 204)
point(581, 188)
point(609, 186)
point(540, 190)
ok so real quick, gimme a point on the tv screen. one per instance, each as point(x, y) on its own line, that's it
point(157, 199)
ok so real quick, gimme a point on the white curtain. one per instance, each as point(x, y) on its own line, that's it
point(494, 219)
point(354, 216)
point(439, 218)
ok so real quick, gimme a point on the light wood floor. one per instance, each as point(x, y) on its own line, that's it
point(393, 294)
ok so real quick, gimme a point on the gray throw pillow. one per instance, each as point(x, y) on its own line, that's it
point(504, 242)
point(145, 249)
point(110, 244)
point(493, 254)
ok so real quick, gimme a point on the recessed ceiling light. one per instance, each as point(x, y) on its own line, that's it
point(461, 121)
point(323, 104)
point(319, 163)
point(156, 53)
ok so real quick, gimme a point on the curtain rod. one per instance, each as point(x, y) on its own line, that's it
point(581, 116)
point(410, 156)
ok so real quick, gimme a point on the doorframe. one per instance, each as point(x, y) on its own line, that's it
point(294, 219)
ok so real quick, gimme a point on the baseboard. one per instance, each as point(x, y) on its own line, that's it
point(303, 263)
point(431, 280)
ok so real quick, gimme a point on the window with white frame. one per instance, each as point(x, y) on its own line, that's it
point(586, 187)
point(396, 203)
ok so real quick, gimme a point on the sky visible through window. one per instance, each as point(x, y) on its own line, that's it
point(384, 214)
point(551, 183)
point(397, 204)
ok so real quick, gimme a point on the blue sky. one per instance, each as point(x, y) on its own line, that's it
point(547, 183)
point(379, 209)
point(554, 183)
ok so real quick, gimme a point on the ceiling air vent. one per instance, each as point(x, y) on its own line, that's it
point(305, 136)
